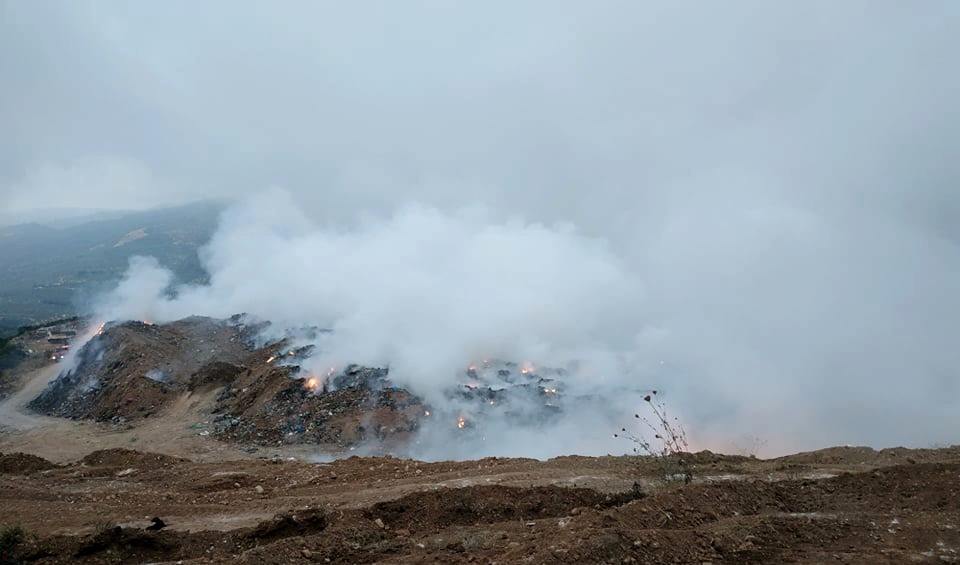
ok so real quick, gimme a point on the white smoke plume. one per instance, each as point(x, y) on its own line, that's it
point(424, 292)
point(751, 206)
point(765, 321)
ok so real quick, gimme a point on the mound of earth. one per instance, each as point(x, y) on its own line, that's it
point(23, 464)
point(119, 457)
point(867, 455)
point(489, 504)
point(387, 510)
point(132, 370)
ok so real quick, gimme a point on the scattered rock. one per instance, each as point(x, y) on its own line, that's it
point(157, 524)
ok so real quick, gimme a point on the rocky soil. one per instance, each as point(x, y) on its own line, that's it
point(192, 442)
point(845, 505)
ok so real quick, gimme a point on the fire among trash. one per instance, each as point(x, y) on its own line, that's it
point(270, 393)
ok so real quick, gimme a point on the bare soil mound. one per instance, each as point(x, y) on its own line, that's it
point(488, 504)
point(307, 522)
point(23, 464)
point(866, 455)
point(133, 370)
point(120, 457)
point(386, 510)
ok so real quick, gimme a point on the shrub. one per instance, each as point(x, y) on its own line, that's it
point(669, 439)
point(10, 539)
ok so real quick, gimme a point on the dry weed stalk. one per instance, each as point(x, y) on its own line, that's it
point(670, 439)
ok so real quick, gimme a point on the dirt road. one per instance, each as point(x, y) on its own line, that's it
point(179, 431)
point(13, 416)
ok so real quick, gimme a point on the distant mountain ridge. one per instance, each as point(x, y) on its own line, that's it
point(60, 217)
point(48, 271)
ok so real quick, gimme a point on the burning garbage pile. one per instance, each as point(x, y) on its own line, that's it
point(267, 396)
point(518, 393)
point(361, 405)
point(284, 405)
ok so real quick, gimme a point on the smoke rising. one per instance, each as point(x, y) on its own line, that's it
point(424, 292)
point(766, 321)
point(752, 207)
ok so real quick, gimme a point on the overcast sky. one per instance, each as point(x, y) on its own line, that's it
point(554, 109)
point(781, 176)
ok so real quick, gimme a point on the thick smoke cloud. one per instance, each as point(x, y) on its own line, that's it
point(751, 206)
point(424, 292)
point(773, 324)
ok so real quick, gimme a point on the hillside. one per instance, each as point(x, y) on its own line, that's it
point(48, 272)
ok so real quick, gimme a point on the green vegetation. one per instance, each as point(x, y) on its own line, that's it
point(49, 272)
point(10, 539)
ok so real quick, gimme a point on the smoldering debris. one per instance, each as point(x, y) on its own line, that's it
point(131, 371)
point(158, 376)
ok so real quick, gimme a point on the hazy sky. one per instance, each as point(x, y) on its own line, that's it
point(782, 177)
point(552, 109)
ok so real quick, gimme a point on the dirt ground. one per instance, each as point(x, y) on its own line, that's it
point(87, 492)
